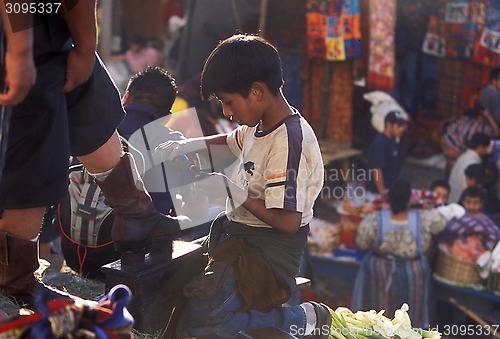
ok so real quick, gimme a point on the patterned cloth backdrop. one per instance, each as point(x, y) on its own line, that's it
point(475, 25)
point(464, 29)
point(451, 27)
point(487, 51)
point(333, 29)
point(475, 78)
point(456, 19)
point(381, 58)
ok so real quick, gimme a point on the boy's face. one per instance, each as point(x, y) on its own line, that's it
point(239, 109)
point(473, 205)
point(442, 192)
point(395, 130)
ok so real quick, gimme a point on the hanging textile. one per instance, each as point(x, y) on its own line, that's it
point(454, 28)
point(434, 41)
point(333, 29)
point(339, 124)
point(475, 78)
point(456, 19)
point(450, 81)
point(447, 31)
point(474, 26)
point(413, 82)
point(487, 50)
point(381, 58)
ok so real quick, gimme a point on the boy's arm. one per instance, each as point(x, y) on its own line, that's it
point(81, 22)
point(215, 144)
point(283, 220)
point(20, 71)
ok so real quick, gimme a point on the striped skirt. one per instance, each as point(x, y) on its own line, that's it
point(385, 283)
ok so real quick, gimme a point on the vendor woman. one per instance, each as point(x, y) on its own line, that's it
point(396, 270)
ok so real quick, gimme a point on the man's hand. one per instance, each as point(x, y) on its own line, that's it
point(19, 78)
point(81, 21)
point(79, 68)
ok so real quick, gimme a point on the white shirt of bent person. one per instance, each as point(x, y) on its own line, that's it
point(282, 166)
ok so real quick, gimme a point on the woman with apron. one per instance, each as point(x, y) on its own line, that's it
point(396, 270)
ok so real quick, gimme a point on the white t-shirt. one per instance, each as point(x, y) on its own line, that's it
point(282, 166)
point(457, 175)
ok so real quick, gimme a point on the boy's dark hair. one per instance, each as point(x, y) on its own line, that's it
point(399, 196)
point(478, 139)
point(476, 172)
point(440, 183)
point(494, 74)
point(239, 61)
point(155, 88)
point(395, 117)
point(472, 192)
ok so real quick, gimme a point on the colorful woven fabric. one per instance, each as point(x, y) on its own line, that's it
point(381, 59)
point(475, 78)
point(474, 26)
point(469, 225)
point(333, 29)
point(456, 19)
point(63, 318)
point(434, 41)
point(339, 124)
point(487, 49)
point(407, 282)
point(458, 131)
point(454, 28)
point(450, 83)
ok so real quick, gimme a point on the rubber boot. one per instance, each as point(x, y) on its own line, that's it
point(137, 226)
point(18, 263)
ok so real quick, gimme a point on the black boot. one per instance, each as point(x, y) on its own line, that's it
point(18, 263)
point(137, 226)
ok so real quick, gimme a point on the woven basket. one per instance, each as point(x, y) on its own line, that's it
point(457, 271)
point(494, 282)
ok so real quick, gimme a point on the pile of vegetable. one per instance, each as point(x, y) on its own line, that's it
point(374, 325)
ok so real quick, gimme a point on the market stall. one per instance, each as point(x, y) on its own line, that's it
point(334, 260)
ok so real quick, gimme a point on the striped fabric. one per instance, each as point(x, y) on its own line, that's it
point(458, 131)
point(387, 283)
point(469, 225)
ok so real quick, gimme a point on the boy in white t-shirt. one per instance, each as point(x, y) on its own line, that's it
point(270, 203)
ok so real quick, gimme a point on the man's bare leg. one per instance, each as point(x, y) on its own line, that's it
point(105, 157)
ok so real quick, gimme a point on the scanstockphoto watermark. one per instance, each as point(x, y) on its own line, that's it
point(327, 330)
point(356, 179)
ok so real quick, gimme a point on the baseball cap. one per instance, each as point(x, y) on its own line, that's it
point(396, 117)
